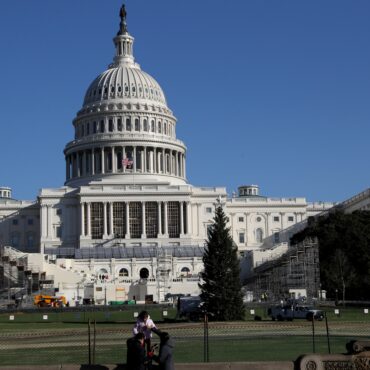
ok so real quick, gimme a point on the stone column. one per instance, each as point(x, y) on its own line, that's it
point(188, 226)
point(181, 218)
point(83, 231)
point(282, 215)
point(177, 164)
point(127, 220)
point(44, 220)
point(111, 228)
point(184, 166)
point(134, 158)
point(89, 220)
point(163, 161)
point(78, 169)
point(145, 159)
point(114, 169)
point(180, 165)
point(123, 157)
point(102, 160)
point(49, 218)
point(268, 217)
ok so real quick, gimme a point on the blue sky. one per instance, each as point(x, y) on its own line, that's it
point(274, 93)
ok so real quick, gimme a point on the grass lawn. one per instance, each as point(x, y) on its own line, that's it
point(62, 339)
point(242, 349)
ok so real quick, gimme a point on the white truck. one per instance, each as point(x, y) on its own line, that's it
point(291, 312)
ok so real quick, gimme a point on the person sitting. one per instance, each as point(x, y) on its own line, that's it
point(136, 352)
point(165, 356)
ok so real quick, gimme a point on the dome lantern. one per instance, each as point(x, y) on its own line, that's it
point(123, 42)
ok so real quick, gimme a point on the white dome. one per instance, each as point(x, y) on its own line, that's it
point(124, 127)
point(124, 82)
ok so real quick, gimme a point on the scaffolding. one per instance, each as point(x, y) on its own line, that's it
point(17, 278)
point(164, 268)
point(297, 269)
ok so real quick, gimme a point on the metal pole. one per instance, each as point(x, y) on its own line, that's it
point(206, 348)
point(89, 339)
point(313, 334)
point(94, 343)
point(327, 332)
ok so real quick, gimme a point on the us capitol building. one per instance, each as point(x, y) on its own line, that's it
point(127, 224)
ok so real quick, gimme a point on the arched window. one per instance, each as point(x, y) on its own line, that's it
point(145, 125)
point(102, 128)
point(159, 127)
point(185, 271)
point(123, 272)
point(144, 273)
point(102, 275)
point(137, 125)
point(119, 124)
point(153, 126)
point(110, 125)
point(259, 235)
point(165, 128)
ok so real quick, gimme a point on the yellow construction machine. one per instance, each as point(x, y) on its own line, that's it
point(49, 301)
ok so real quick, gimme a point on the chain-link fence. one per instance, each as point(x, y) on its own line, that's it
point(67, 338)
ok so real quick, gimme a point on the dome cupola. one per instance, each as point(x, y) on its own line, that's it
point(124, 126)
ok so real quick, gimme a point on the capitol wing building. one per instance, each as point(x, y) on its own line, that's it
point(127, 224)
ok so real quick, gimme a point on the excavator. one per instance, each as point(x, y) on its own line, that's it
point(49, 301)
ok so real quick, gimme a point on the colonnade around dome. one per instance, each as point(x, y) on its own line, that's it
point(122, 159)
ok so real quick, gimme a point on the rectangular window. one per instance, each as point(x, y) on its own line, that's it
point(290, 218)
point(30, 221)
point(119, 220)
point(241, 238)
point(151, 219)
point(276, 238)
point(135, 220)
point(241, 219)
point(173, 219)
point(59, 211)
point(97, 219)
point(208, 210)
point(15, 222)
point(276, 218)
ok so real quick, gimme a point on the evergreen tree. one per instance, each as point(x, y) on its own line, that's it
point(221, 287)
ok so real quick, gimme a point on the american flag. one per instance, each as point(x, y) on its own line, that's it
point(127, 162)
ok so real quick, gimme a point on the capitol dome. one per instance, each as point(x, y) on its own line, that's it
point(124, 126)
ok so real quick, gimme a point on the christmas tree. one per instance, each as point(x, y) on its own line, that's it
point(221, 286)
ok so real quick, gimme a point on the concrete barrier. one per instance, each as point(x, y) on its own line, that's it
point(284, 365)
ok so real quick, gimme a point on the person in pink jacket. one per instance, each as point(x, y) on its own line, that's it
point(144, 324)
